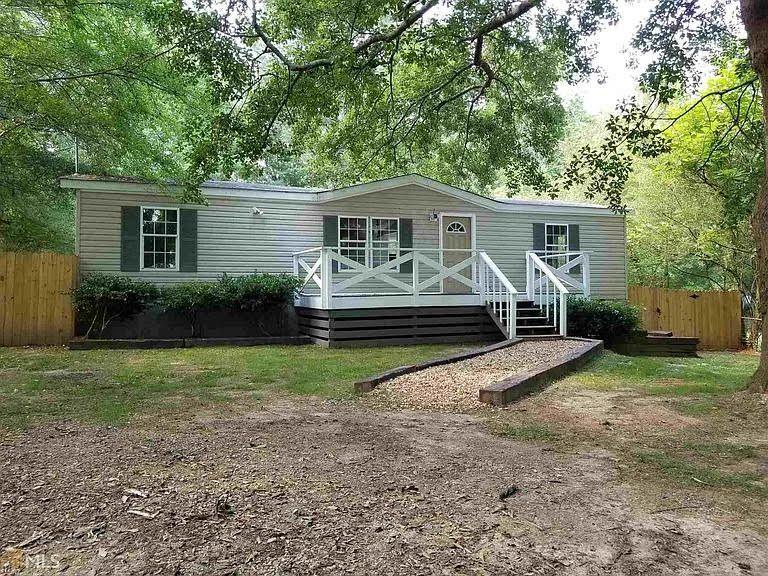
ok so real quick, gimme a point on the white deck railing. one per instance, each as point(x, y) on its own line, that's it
point(571, 268)
point(331, 279)
point(498, 294)
point(546, 286)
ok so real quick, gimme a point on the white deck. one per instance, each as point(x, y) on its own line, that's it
point(421, 282)
point(349, 301)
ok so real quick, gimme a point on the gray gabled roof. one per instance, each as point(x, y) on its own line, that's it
point(256, 190)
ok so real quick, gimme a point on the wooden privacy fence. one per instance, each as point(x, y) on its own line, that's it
point(713, 317)
point(35, 302)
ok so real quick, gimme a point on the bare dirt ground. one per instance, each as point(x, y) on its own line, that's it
point(319, 487)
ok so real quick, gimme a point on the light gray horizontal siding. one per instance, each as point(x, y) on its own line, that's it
point(232, 240)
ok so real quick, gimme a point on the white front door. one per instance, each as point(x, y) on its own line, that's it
point(457, 243)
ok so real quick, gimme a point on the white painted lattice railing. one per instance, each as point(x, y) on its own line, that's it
point(547, 290)
point(471, 278)
point(571, 268)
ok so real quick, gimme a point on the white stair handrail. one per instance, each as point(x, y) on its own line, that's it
point(498, 293)
point(497, 272)
point(546, 269)
point(559, 305)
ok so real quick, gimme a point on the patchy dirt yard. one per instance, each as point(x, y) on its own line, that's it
point(325, 487)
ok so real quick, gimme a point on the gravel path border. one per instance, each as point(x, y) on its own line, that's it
point(457, 386)
point(368, 384)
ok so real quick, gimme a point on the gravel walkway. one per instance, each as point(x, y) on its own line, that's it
point(456, 386)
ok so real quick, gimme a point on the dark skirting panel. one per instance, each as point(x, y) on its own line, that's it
point(398, 326)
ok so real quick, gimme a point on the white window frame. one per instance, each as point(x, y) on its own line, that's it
point(141, 238)
point(368, 239)
point(546, 236)
point(557, 262)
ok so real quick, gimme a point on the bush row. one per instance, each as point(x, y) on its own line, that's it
point(607, 320)
point(102, 298)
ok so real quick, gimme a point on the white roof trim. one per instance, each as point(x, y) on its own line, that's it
point(494, 204)
point(214, 189)
point(218, 189)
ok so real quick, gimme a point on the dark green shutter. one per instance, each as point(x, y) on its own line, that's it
point(188, 240)
point(406, 241)
point(539, 237)
point(130, 244)
point(331, 236)
point(573, 245)
point(573, 238)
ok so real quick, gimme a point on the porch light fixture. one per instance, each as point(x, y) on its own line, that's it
point(433, 216)
point(257, 211)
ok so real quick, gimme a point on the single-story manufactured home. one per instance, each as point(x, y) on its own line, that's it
point(402, 259)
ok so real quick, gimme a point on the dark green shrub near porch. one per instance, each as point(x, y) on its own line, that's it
point(607, 320)
point(256, 291)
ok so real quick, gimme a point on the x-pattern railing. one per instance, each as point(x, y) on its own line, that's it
point(475, 270)
point(579, 279)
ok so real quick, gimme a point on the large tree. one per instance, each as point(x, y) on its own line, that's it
point(462, 90)
point(754, 14)
point(79, 81)
point(682, 34)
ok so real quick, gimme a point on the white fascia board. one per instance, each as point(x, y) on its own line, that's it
point(466, 196)
point(219, 190)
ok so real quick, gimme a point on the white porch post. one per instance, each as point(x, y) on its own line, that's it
point(512, 321)
point(326, 279)
point(415, 268)
point(530, 276)
point(481, 272)
point(585, 278)
point(563, 314)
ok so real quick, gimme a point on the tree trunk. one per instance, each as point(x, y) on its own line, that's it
point(754, 14)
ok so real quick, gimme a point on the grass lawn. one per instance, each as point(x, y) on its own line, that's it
point(110, 386)
point(683, 428)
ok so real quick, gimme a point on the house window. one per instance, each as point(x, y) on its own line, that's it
point(353, 239)
point(456, 228)
point(556, 243)
point(384, 240)
point(359, 237)
point(159, 238)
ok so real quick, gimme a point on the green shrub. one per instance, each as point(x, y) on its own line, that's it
point(101, 298)
point(251, 293)
point(607, 320)
point(191, 298)
point(257, 291)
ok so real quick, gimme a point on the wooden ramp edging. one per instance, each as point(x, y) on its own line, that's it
point(516, 386)
point(369, 384)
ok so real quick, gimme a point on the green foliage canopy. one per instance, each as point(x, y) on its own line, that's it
point(78, 76)
point(463, 91)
